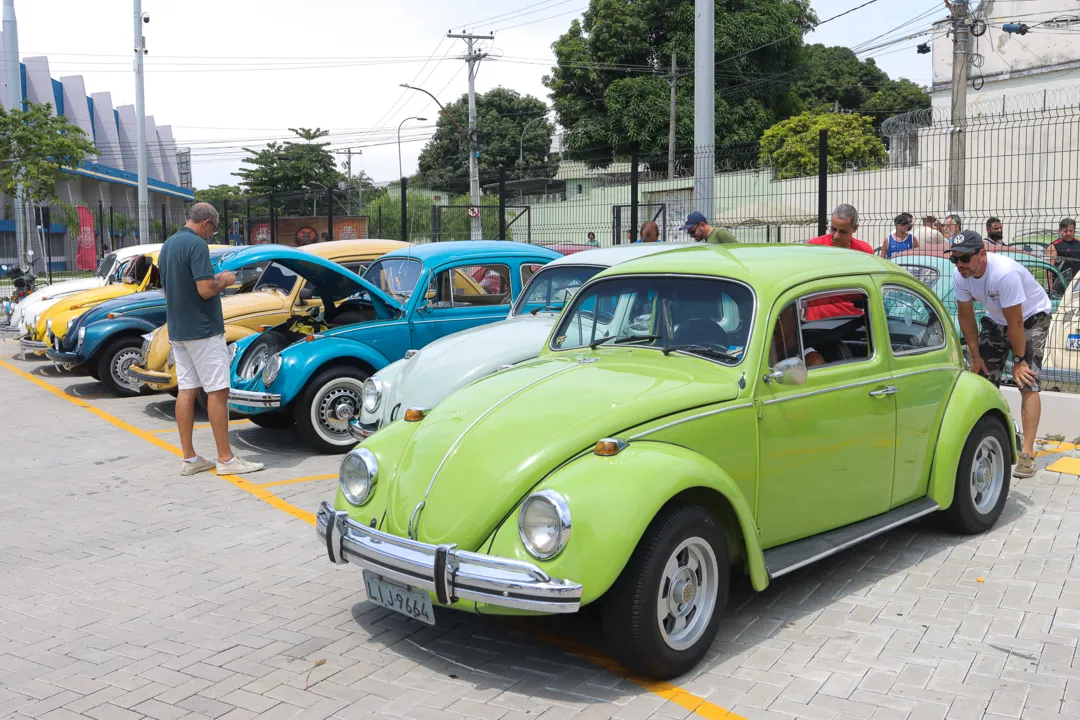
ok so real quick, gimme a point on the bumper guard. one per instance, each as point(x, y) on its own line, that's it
point(450, 573)
point(250, 398)
point(362, 431)
point(152, 377)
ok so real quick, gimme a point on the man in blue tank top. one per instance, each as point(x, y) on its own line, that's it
point(902, 239)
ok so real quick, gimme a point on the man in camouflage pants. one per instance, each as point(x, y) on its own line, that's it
point(1017, 320)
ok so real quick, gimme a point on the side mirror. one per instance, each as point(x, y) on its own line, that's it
point(305, 295)
point(788, 372)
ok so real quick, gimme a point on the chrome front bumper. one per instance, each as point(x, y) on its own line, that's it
point(362, 431)
point(450, 573)
point(61, 356)
point(27, 344)
point(10, 331)
point(250, 398)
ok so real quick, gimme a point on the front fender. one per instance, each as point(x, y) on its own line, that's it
point(972, 397)
point(300, 361)
point(104, 331)
point(612, 502)
point(237, 332)
point(388, 377)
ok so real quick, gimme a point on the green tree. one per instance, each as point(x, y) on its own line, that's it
point(609, 91)
point(35, 147)
point(894, 97)
point(791, 146)
point(291, 166)
point(501, 117)
point(218, 195)
point(835, 74)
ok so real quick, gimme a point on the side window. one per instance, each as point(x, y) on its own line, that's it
point(481, 285)
point(835, 327)
point(527, 271)
point(914, 327)
point(358, 267)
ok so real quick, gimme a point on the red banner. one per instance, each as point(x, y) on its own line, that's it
point(87, 257)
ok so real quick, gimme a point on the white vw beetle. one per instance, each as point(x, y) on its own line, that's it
point(110, 270)
point(424, 377)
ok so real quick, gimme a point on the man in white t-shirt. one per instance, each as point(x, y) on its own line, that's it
point(1018, 320)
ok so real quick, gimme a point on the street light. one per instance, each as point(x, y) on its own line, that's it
point(401, 173)
point(521, 145)
point(411, 87)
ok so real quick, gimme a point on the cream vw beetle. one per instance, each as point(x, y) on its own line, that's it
point(109, 271)
point(424, 377)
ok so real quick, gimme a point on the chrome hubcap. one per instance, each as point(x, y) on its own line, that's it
point(120, 364)
point(687, 595)
point(339, 403)
point(987, 474)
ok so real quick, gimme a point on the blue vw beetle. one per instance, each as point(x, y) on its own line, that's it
point(107, 339)
point(311, 370)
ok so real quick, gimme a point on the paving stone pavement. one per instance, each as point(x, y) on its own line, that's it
point(128, 591)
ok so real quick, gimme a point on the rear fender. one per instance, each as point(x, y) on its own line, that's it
point(614, 499)
point(237, 332)
point(972, 397)
point(302, 360)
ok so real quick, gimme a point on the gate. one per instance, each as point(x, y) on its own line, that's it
point(457, 224)
point(621, 213)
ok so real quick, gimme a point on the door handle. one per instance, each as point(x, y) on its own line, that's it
point(887, 390)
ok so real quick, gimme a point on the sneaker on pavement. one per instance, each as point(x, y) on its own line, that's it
point(238, 466)
point(200, 464)
point(1025, 466)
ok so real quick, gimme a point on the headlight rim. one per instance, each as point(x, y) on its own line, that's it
point(370, 464)
point(271, 369)
point(379, 387)
point(170, 359)
point(562, 511)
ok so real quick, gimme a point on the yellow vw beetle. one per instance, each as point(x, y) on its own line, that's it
point(268, 296)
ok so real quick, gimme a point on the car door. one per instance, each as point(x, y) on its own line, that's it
point(826, 447)
point(461, 296)
point(924, 370)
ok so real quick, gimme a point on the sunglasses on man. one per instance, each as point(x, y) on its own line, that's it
point(957, 259)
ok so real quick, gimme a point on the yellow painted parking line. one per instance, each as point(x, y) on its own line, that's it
point(1069, 466)
point(312, 478)
point(672, 693)
point(200, 426)
point(1054, 448)
point(250, 488)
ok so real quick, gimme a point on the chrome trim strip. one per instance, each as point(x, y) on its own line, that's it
point(939, 368)
point(673, 423)
point(854, 541)
point(484, 415)
point(250, 398)
point(460, 319)
point(884, 380)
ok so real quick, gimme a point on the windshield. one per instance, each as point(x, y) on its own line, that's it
point(704, 316)
point(107, 262)
point(395, 276)
point(552, 287)
point(273, 278)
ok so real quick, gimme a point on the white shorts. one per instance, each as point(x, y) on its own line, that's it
point(202, 363)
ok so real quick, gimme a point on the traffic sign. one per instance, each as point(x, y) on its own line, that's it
point(474, 212)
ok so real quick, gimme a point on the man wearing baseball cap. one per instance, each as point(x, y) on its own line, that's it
point(1017, 321)
point(700, 229)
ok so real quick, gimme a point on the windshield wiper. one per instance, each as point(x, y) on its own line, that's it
point(622, 340)
point(546, 307)
point(700, 350)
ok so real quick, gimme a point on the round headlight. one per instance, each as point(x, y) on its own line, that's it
point(372, 394)
point(48, 325)
point(170, 359)
point(544, 524)
point(273, 365)
point(357, 475)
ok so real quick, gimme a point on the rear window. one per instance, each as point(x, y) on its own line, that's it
point(925, 274)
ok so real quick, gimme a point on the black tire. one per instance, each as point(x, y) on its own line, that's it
point(272, 420)
point(174, 392)
point(117, 355)
point(92, 371)
point(966, 516)
point(630, 608)
point(350, 381)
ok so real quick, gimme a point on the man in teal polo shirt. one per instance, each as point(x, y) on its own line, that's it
point(197, 334)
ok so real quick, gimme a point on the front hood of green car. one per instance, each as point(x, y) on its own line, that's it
point(475, 456)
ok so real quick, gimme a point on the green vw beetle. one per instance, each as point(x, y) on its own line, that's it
point(702, 410)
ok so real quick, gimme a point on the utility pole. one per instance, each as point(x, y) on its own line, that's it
point(958, 140)
point(13, 77)
point(473, 58)
point(140, 125)
point(704, 106)
point(671, 124)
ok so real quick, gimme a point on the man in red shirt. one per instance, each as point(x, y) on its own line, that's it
point(842, 227)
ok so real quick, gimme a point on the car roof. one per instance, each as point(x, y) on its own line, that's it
point(125, 252)
point(614, 255)
point(344, 248)
point(768, 267)
point(464, 249)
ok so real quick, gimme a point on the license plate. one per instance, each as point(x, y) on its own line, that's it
point(411, 603)
point(1073, 342)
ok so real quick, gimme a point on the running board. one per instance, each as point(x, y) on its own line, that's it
point(790, 557)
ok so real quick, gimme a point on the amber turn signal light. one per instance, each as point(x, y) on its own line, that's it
point(609, 446)
point(414, 415)
point(111, 316)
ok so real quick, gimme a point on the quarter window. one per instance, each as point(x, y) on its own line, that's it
point(914, 326)
point(527, 271)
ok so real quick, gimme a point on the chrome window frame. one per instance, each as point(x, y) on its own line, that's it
point(909, 353)
point(567, 311)
point(543, 268)
point(449, 269)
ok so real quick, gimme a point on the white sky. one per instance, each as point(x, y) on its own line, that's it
point(240, 72)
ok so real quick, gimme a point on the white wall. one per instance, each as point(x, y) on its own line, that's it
point(126, 132)
point(107, 139)
point(39, 82)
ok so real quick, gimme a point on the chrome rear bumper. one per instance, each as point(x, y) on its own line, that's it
point(27, 344)
point(10, 331)
point(250, 398)
point(450, 573)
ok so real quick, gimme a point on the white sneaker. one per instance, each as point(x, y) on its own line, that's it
point(238, 466)
point(200, 464)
